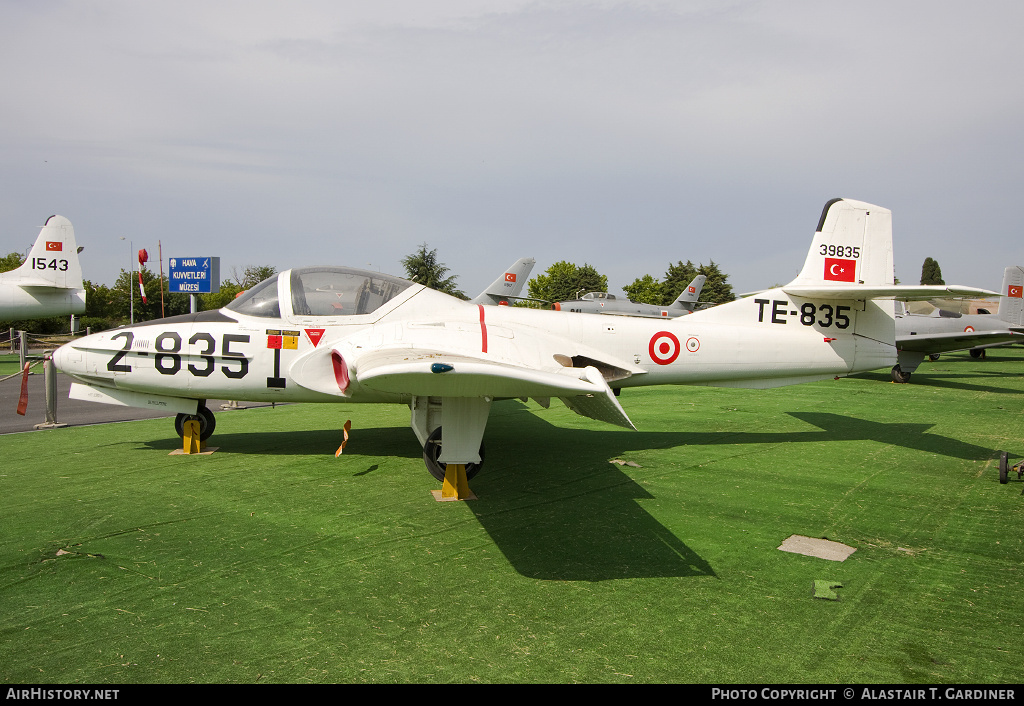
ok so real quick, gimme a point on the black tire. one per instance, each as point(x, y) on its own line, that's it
point(933, 357)
point(977, 352)
point(898, 375)
point(432, 452)
point(1004, 469)
point(207, 423)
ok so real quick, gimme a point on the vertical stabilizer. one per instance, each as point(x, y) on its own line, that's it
point(53, 261)
point(852, 245)
point(1011, 303)
point(688, 299)
point(508, 286)
point(49, 283)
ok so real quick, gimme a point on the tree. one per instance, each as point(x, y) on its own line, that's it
point(423, 268)
point(645, 290)
point(230, 289)
point(677, 277)
point(126, 299)
point(716, 288)
point(564, 280)
point(931, 273)
point(252, 275)
point(11, 261)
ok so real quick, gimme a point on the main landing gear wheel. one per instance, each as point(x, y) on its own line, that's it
point(432, 452)
point(898, 375)
point(207, 423)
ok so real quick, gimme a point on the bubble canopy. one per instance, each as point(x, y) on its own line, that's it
point(320, 291)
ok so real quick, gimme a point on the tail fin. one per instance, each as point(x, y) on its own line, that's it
point(852, 245)
point(688, 299)
point(49, 283)
point(508, 286)
point(53, 261)
point(851, 258)
point(1011, 301)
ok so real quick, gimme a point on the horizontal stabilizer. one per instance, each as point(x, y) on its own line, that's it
point(908, 292)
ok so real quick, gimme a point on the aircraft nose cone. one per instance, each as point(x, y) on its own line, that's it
point(65, 357)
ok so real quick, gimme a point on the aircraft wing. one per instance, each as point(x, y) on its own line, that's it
point(930, 343)
point(439, 374)
point(903, 292)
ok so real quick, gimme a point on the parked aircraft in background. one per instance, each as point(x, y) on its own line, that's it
point(49, 283)
point(334, 334)
point(508, 286)
point(604, 303)
point(941, 331)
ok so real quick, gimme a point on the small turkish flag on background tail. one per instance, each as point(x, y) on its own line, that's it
point(510, 276)
point(52, 246)
point(840, 270)
point(1015, 291)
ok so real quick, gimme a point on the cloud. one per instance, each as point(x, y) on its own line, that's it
point(622, 134)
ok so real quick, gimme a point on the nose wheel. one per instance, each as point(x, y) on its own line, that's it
point(898, 375)
point(207, 423)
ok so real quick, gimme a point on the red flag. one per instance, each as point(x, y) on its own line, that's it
point(23, 400)
point(510, 276)
point(840, 270)
point(1015, 291)
point(54, 246)
point(143, 258)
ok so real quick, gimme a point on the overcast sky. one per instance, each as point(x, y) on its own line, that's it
point(626, 135)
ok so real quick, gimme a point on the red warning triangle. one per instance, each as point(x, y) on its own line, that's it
point(315, 334)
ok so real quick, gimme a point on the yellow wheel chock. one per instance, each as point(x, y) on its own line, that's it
point(455, 486)
point(192, 443)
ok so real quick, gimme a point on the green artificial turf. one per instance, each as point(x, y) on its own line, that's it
point(593, 554)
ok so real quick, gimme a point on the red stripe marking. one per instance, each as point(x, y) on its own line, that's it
point(483, 330)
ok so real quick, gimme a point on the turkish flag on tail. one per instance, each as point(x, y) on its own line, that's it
point(839, 270)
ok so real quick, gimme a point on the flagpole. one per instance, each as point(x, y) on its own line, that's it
point(160, 254)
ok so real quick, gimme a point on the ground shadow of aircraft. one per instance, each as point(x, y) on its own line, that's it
point(543, 517)
point(955, 380)
point(576, 517)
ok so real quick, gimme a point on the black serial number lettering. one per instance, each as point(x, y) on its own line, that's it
point(168, 354)
point(833, 250)
point(114, 364)
point(809, 314)
point(41, 263)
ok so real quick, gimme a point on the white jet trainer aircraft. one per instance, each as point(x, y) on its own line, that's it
point(322, 334)
point(49, 283)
